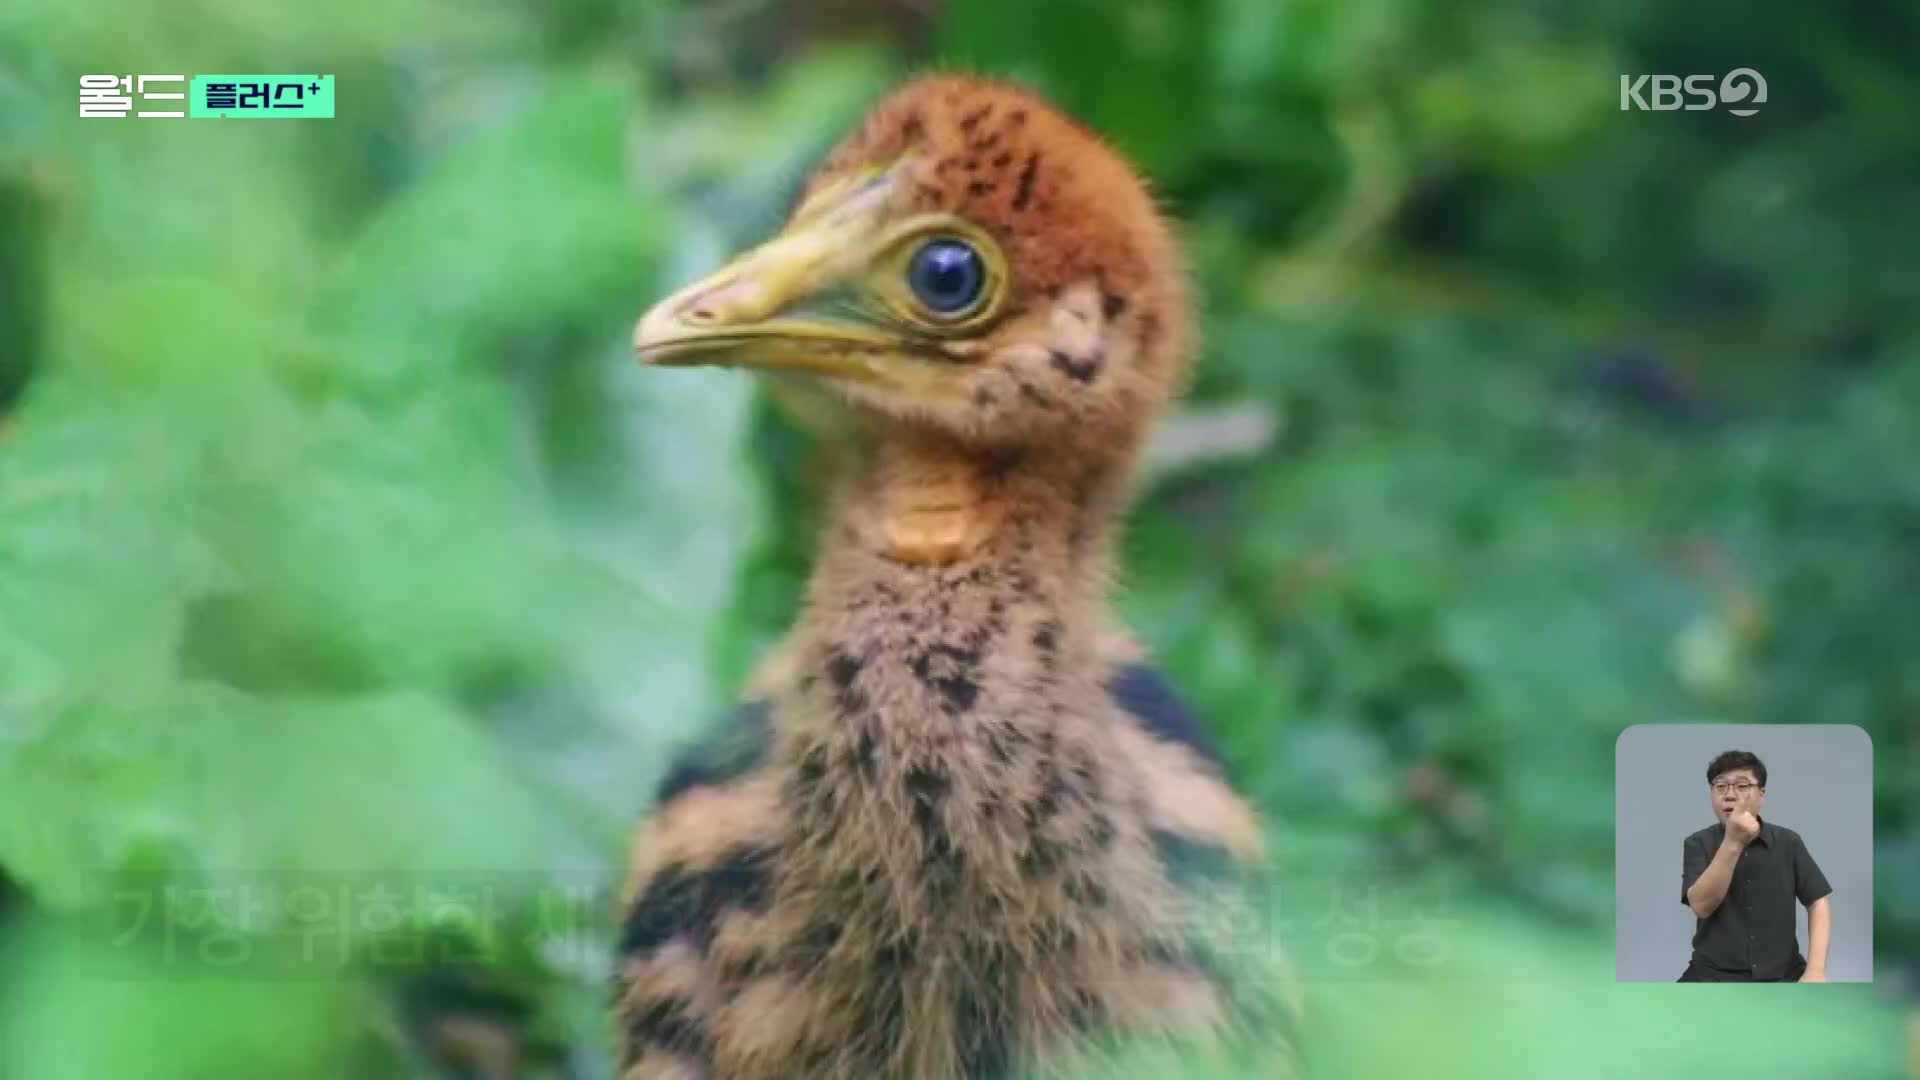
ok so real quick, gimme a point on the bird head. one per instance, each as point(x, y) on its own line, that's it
point(969, 263)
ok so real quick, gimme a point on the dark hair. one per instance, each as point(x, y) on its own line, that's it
point(1736, 759)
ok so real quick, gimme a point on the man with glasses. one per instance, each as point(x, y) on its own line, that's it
point(1741, 878)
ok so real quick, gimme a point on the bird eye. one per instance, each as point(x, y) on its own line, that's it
point(947, 276)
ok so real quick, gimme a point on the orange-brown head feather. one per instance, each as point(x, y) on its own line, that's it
point(1085, 331)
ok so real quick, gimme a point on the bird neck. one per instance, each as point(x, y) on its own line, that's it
point(929, 532)
point(958, 596)
point(953, 784)
point(931, 504)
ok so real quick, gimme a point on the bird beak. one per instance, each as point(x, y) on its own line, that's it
point(781, 307)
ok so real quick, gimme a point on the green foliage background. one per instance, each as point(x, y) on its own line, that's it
point(343, 548)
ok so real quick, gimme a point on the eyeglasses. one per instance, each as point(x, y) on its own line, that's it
point(1740, 788)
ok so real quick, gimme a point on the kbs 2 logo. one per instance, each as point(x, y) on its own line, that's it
point(1742, 89)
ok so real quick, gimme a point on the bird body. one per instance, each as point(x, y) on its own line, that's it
point(959, 827)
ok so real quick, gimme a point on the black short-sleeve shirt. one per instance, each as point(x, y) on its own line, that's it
point(1751, 935)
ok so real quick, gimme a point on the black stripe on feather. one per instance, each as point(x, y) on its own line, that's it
point(1145, 693)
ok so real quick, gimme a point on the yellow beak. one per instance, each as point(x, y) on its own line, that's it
point(783, 306)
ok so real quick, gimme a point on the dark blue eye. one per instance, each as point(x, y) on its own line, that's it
point(947, 276)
